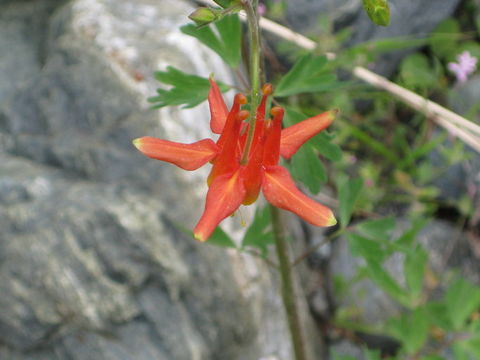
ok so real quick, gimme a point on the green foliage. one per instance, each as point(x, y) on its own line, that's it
point(462, 299)
point(348, 192)
point(225, 40)
point(372, 354)
point(416, 72)
point(342, 357)
point(444, 39)
point(411, 329)
point(407, 239)
point(307, 75)
point(373, 144)
point(377, 228)
point(468, 349)
point(370, 250)
point(324, 145)
point(413, 155)
point(386, 282)
point(378, 11)
point(259, 233)
point(414, 268)
point(306, 165)
point(221, 238)
point(188, 90)
point(226, 3)
point(432, 357)
point(307, 168)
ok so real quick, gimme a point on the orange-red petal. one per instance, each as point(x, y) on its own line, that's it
point(227, 159)
point(224, 196)
point(218, 108)
point(296, 135)
point(280, 190)
point(186, 156)
point(271, 153)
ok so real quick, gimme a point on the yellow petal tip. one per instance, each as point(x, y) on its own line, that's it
point(199, 237)
point(137, 143)
point(332, 221)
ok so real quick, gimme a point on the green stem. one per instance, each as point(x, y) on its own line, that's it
point(288, 289)
point(250, 7)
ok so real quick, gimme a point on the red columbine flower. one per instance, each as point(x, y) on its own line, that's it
point(233, 182)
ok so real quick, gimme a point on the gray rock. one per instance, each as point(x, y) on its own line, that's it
point(92, 263)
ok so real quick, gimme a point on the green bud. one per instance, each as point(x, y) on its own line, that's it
point(378, 11)
point(203, 16)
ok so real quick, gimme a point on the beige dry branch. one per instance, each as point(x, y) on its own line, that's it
point(464, 129)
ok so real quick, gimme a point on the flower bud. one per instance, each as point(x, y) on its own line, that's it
point(243, 114)
point(203, 16)
point(267, 89)
point(378, 11)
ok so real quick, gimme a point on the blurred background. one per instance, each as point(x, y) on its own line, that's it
point(92, 262)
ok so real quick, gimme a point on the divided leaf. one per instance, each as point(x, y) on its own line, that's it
point(366, 248)
point(348, 194)
point(306, 75)
point(225, 40)
point(306, 166)
point(411, 329)
point(323, 143)
point(414, 268)
point(462, 299)
point(386, 282)
point(378, 228)
point(445, 39)
point(187, 90)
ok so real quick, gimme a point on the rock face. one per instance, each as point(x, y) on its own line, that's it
point(92, 263)
point(408, 18)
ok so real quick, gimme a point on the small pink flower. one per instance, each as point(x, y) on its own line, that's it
point(466, 65)
point(261, 9)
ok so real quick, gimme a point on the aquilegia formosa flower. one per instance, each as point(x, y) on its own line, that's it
point(233, 182)
point(466, 65)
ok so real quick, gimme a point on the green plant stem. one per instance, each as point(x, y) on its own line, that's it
point(288, 289)
point(287, 286)
point(250, 7)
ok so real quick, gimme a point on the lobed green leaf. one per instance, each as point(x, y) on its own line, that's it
point(187, 90)
point(348, 194)
point(462, 299)
point(377, 228)
point(306, 75)
point(225, 40)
